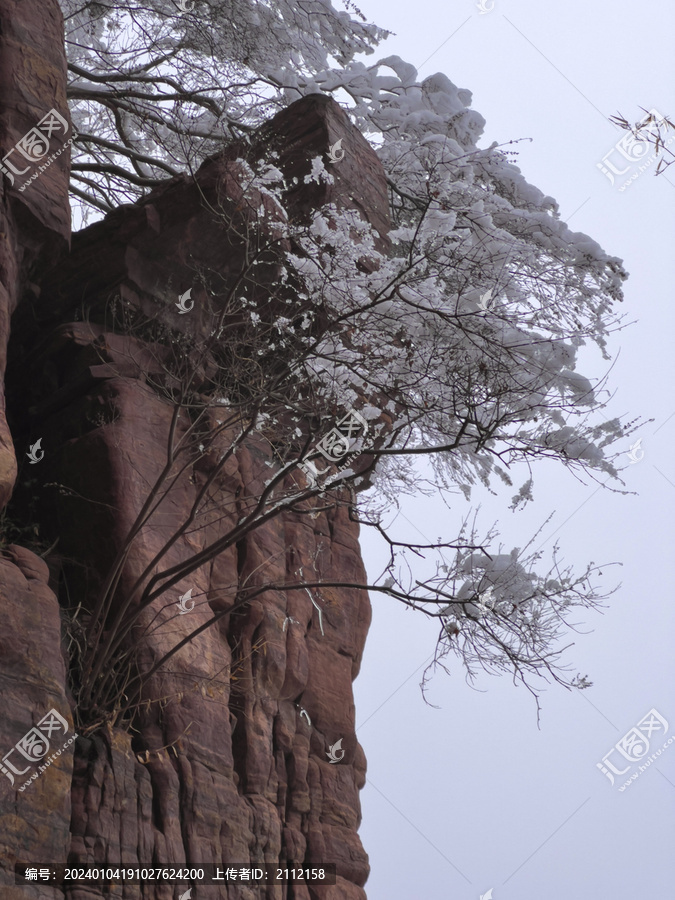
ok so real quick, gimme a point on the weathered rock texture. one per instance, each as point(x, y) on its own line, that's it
point(224, 769)
point(34, 225)
point(34, 230)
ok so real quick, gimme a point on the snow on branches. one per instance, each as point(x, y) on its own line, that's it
point(474, 386)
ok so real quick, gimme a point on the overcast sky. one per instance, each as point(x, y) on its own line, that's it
point(472, 796)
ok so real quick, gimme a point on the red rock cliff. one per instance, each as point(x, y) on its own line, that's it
point(220, 765)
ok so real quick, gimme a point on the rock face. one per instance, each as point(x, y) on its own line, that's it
point(35, 224)
point(227, 760)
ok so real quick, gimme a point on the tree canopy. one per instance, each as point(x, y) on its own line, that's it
point(466, 332)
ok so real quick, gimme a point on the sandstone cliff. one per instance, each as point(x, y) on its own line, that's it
point(220, 764)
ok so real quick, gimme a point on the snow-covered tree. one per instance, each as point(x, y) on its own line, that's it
point(154, 89)
point(465, 334)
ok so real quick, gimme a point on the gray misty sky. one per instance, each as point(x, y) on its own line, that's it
point(472, 795)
